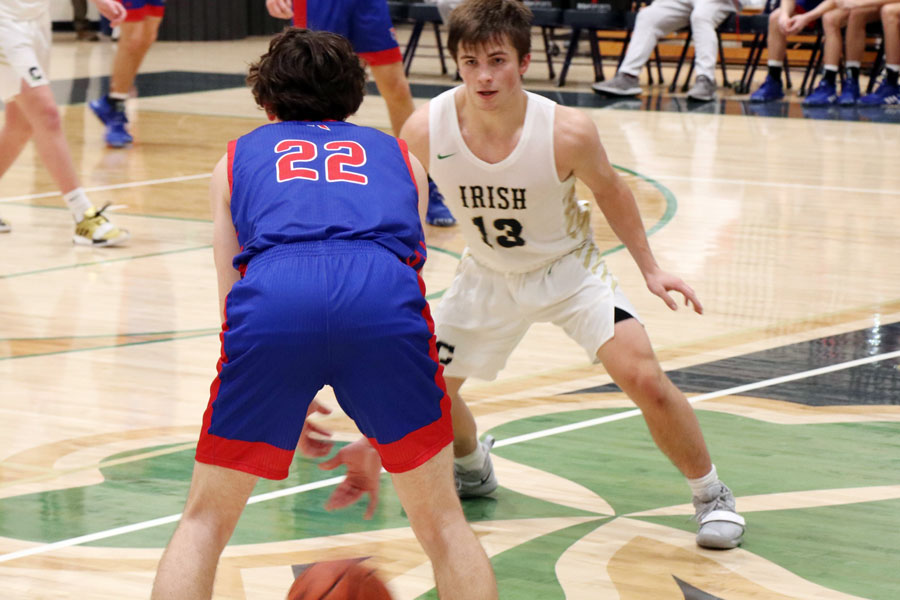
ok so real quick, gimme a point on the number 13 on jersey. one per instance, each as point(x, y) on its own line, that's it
point(339, 165)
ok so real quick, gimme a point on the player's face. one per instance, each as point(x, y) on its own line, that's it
point(492, 72)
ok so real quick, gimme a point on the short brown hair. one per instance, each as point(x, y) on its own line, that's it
point(308, 76)
point(478, 22)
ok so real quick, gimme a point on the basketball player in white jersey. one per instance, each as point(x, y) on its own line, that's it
point(507, 161)
point(31, 111)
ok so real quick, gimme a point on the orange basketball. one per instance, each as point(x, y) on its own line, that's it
point(338, 580)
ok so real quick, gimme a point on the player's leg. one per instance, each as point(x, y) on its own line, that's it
point(855, 48)
point(461, 567)
point(888, 91)
point(15, 134)
point(216, 499)
point(472, 465)
point(630, 361)
point(394, 88)
point(776, 47)
point(826, 92)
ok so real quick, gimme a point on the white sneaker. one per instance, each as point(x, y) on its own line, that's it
point(96, 230)
point(477, 482)
point(703, 90)
point(721, 527)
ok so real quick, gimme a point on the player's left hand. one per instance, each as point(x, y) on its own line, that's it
point(112, 10)
point(363, 476)
point(661, 283)
point(318, 446)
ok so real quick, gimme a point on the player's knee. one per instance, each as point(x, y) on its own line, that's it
point(647, 388)
point(890, 15)
point(774, 17)
point(833, 20)
point(46, 115)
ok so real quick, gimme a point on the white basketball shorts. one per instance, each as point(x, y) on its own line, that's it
point(24, 54)
point(485, 313)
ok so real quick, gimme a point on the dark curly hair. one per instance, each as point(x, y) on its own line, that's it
point(477, 22)
point(308, 76)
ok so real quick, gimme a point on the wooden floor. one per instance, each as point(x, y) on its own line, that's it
point(787, 229)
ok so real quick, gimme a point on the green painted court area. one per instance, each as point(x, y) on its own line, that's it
point(853, 548)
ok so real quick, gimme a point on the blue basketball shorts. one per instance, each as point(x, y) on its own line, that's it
point(348, 314)
point(138, 10)
point(366, 23)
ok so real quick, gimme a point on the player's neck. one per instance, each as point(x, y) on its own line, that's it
point(498, 121)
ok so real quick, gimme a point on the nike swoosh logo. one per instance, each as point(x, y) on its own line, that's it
point(443, 156)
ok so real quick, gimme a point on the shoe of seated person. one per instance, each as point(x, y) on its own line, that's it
point(622, 84)
point(885, 93)
point(703, 90)
point(825, 94)
point(771, 89)
point(4, 226)
point(721, 527)
point(849, 92)
point(438, 214)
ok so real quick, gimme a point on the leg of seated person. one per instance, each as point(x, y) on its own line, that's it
point(890, 22)
point(705, 18)
point(657, 20)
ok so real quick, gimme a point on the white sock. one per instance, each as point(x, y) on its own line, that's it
point(118, 96)
point(853, 63)
point(78, 203)
point(472, 461)
point(892, 67)
point(831, 68)
point(775, 63)
point(701, 484)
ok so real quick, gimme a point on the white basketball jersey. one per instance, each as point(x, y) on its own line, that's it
point(23, 10)
point(515, 215)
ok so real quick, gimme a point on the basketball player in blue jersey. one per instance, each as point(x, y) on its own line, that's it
point(368, 26)
point(508, 160)
point(318, 244)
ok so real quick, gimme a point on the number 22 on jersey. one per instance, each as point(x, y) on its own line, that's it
point(339, 165)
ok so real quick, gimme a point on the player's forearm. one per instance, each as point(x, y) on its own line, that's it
point(625, 220)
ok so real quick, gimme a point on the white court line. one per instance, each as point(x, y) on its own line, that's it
point(116, 186)
point(44, 548)
point(779, 184)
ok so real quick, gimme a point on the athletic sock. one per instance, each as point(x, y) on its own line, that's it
point(78, 203)
point(472, 461)
point(117, 101)
point(830, 76)
point(700, 485)
point(892, 74)
point(853, 70)
point(775, 69)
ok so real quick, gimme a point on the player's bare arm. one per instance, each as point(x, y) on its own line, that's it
point(415, 133)
point(112, 10)
point(579, 151)
point(421, 178)
point(225, 242)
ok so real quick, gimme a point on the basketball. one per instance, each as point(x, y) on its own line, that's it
point(338, 580)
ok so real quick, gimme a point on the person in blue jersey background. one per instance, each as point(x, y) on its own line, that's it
point(318, 244)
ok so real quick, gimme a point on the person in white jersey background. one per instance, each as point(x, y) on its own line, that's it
point(507, 161)
point(31, 111)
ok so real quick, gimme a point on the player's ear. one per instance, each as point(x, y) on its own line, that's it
point(271, 115)
point(523, 64)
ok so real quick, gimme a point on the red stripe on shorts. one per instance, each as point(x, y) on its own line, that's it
point(382, 57)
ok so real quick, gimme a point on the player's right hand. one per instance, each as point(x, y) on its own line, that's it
point(314, 446)
point(280, 9)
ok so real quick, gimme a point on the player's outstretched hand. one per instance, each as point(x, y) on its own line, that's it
point(112, 10)
point(280, 9)
point(661, 283)
point(314, 447)
point(363, 476)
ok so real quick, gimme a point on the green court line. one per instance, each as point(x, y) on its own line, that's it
point(109, 346)
point(141, 216)
point(105, 335)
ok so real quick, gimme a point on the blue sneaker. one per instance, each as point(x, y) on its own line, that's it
point(849, 92)
point(885, 93)
point(825, 94)
point(116, 135)
point(438, 214)
point(770, 90)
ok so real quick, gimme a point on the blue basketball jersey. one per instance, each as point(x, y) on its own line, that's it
point(302, 181)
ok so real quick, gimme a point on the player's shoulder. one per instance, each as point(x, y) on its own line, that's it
point(416, 126)
point(573, 128)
